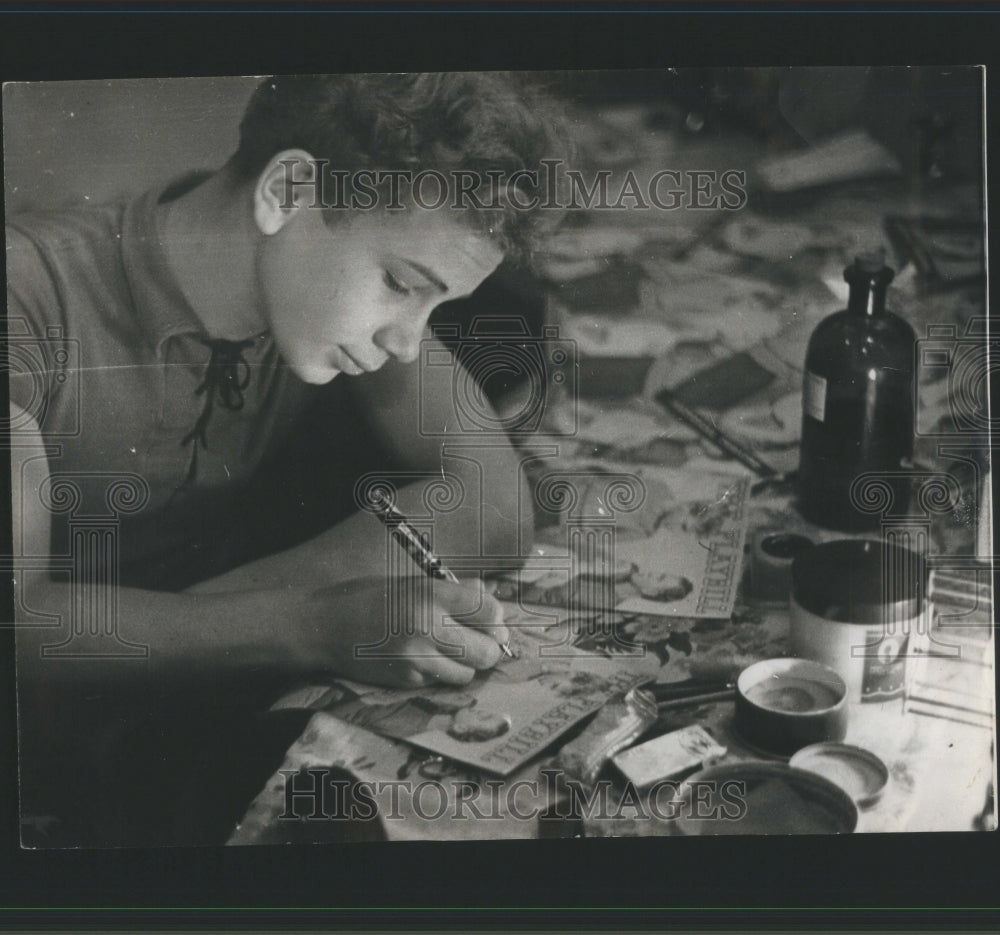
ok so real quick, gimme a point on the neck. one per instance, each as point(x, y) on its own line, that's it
point(209, 235)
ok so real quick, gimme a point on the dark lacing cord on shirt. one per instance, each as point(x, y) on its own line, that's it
point(227, 374)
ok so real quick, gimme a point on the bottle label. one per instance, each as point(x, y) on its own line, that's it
point(885, 666)
point(814, 396)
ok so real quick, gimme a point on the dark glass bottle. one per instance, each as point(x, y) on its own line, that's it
point(857, 405)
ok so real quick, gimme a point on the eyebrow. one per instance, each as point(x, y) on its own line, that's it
point(426, 273)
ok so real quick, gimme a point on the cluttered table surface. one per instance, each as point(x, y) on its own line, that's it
point(648, 567)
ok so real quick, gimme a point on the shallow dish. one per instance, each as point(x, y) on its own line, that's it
point(859, 772)
point(757, 797)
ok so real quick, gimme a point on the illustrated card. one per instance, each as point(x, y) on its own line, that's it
point(507, 715)
point(679, 554)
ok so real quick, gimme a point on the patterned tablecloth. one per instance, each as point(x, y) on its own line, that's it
point(941, 772)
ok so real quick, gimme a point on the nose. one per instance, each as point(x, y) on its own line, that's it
point(401, 340)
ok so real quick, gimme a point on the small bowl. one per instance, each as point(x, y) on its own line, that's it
point(783, 705)
point(757, 797)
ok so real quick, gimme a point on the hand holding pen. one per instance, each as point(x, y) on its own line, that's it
point(419, 550)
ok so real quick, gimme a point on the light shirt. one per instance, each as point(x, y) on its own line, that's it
point(107, 355)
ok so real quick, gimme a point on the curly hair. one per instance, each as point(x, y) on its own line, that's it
point(475, 121)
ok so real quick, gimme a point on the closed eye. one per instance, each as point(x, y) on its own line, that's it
point(394, 284)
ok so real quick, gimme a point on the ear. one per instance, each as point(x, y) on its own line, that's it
point(289, 180)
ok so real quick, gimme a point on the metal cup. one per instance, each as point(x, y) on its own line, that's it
point(854, 604)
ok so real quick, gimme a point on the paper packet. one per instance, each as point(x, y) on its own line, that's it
point(619, 723)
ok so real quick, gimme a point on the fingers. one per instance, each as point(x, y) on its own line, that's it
point(405, 676)
point(470, 605)
point(495, 626)
point(463, 638)
point(463, 644)
point(462, 634)
point(430, 665)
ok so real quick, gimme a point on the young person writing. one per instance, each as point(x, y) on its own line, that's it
point(207, 318)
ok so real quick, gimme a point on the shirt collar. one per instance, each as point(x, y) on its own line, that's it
point(160, 306)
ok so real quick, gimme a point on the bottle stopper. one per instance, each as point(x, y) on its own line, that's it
point(870, 266)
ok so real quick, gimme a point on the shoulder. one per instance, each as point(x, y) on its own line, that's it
point(56, 243)
point(61, 266)
point(71, 228)
point(46, 252)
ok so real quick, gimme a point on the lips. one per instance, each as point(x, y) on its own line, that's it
point(343, 361)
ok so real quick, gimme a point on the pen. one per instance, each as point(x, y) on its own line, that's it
point(715, 435)
point(691, 700)
point(689, 688)
point(415, 545)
